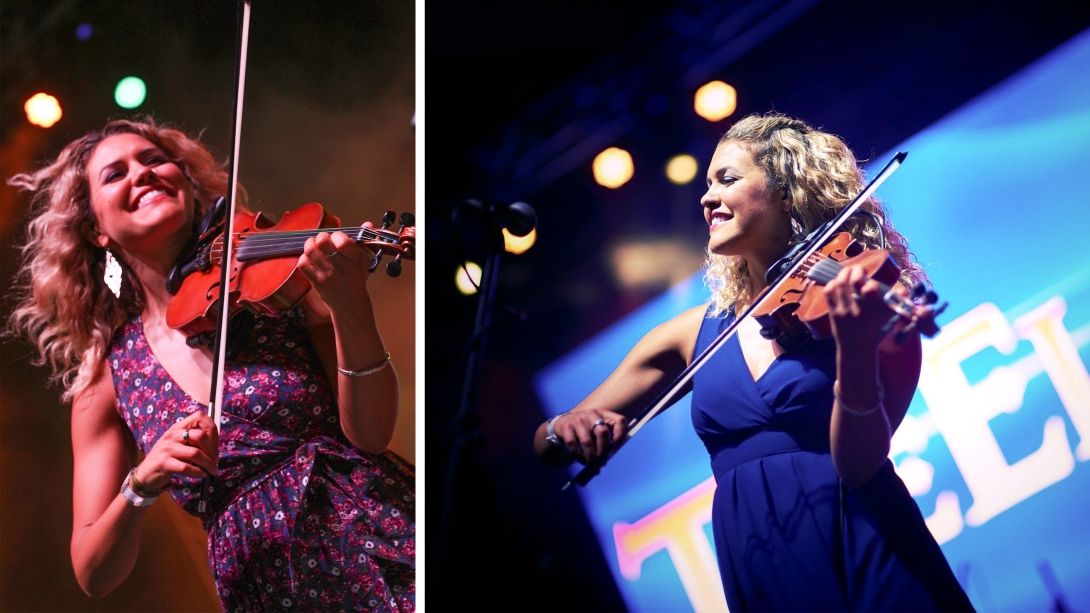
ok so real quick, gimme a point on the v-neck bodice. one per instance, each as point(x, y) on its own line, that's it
point(786, 409)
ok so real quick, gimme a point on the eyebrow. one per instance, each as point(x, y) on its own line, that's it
point(726, 170)
point(139, 154)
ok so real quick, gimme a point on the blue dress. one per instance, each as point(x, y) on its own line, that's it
point(788, 535)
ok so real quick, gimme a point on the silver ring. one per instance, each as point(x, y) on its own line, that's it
point(856, 296)
point(185, 437)
point(600, 422)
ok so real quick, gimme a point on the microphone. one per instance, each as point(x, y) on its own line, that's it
point(518, 217)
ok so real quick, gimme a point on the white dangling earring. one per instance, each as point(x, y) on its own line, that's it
point(113, 274)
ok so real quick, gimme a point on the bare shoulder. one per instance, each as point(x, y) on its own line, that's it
point(96, 403)
point(682, 330)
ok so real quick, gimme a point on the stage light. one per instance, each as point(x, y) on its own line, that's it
point(130, 92)
point(658, 263)
point(83, 32)
point(612, 167)
point(465, 285)
point(681, 169)
point(518, 244)
point(42, 110)
point(715, 101)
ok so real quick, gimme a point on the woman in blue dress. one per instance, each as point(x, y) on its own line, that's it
point(808, 514)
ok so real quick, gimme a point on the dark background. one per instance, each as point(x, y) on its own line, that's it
point(519, 101)
point(330, 94)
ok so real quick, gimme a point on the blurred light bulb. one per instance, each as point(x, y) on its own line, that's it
point(42, 110)
point(468, 285)
point(715, 101)
point(518, 244)
point(681, 169)
point(130, 92)
point(613, 167)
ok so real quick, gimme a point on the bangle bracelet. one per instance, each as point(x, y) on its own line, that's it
point(135, 499)
point(360, 373)
point(861, 413)
point(142, 489)
point(550, 435)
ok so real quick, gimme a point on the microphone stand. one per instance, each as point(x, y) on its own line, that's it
point(465, 425)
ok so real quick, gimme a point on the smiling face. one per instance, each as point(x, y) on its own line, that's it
point(745, 218)
point(141, 200)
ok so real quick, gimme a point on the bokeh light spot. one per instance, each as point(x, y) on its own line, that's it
point(613, 167)
point(130, 92)
point(42, 110)
point(464, 283)
point(518, 244)
point(715, 101)
point(83, 32)
point(681, 169)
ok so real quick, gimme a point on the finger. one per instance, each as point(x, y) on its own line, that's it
point(202, 440)
point(602, 433)
point(586, 443)
point(347, 247)
point(176, 466)
point(324, 242)
point(197, 457)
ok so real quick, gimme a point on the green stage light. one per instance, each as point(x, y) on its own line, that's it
point(130, 92)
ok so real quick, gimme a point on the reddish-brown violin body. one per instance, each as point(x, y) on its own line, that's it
point(263, 274)
point(798, 309)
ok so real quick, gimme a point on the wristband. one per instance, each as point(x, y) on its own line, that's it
point(550, 435)
point(127, 490)
point(860, 413)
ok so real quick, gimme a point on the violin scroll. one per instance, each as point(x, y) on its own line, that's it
point(403, 242)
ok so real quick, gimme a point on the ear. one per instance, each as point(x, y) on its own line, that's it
point(93, 236)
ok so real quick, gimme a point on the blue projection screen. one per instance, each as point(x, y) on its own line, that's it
point(995, 200)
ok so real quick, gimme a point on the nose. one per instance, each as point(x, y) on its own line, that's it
point(145, 175)
point(708, 200)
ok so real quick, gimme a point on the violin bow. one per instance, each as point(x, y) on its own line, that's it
point(219, 347)
point(673, 393)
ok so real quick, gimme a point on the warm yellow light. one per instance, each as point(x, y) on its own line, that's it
point(613, 167)
point(715, 101)
point(42, 110)
point(681, 169)
point(518, 244)
point(465, 285)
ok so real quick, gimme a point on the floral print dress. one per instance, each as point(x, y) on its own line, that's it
point(298, 519)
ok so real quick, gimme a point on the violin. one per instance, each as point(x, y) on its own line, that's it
point(263, 277)
point(797, 311)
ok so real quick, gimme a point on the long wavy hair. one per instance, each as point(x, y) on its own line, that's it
point(62, 305)
point(820, 177)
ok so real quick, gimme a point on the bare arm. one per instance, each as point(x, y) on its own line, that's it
point(658, 358)
point(872, 371)
point(342, 327)
point(105, 527)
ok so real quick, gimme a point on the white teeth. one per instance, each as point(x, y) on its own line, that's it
point(148, 196)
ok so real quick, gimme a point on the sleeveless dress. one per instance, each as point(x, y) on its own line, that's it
point(789, 536)
point(298, 519)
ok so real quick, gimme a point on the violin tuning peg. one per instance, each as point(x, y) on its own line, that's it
point(407, 220)
point(394, 267)
point(388, 219)
point(930, 298)
point(918, 290)
point(888, 326)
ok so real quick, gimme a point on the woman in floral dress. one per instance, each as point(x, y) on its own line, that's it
point(306, 509)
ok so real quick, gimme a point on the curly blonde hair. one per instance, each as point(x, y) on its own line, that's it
point(62, 305)
point(820, 177)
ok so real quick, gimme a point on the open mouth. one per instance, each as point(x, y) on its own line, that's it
point(150, 197)
point(717, 219)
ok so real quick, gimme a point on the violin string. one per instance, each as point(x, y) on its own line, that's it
point(265, 244)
